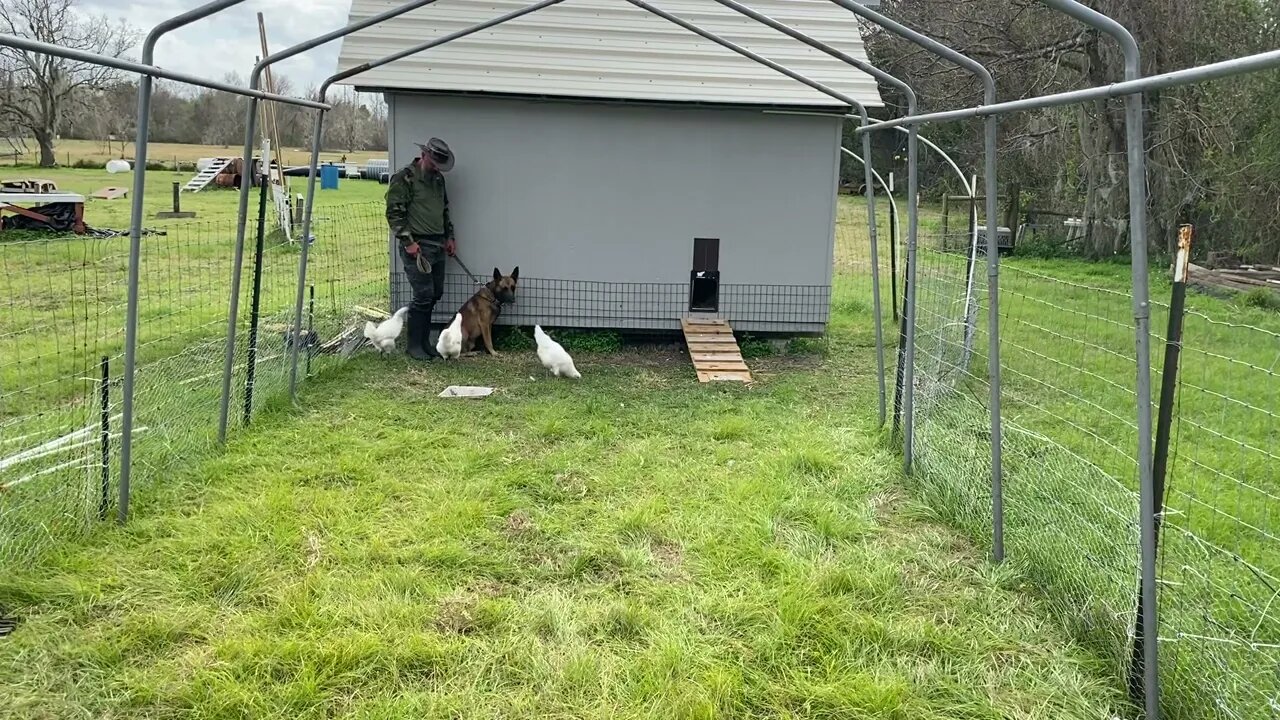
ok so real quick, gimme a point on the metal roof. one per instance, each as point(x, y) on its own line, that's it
point(611, 49)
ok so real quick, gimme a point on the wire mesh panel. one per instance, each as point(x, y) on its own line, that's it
point(61, 305)
point(852, 286)
point(1070, 439)
point(1220, 550)
point(182, 311)
point(346, 271)
point(62, 310)
point(1069, 436)
point(952, 424)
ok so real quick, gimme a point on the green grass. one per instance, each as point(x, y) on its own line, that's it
point(1070, 471)
point(632, 545)
point(640, 545)
point(62, 308)
point(69, 152)
point(212, 204)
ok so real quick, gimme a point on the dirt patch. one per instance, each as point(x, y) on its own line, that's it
point(313, 549)
point(519, 524)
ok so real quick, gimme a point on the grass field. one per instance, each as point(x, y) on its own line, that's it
point(1070, 465)
point(71, 151)
point(639, 545)
point(636, 545)
point(62, 307)
point(210, 205)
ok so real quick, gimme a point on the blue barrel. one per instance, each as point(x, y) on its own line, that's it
point(329, 177)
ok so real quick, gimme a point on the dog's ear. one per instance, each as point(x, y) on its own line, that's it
point(515, 274)
point(497, 274)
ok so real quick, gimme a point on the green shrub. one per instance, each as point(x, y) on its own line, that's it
point(1262, 298)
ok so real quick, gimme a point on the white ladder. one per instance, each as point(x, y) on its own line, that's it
point(206, 176)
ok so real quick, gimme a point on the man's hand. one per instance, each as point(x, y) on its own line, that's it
point(412, 249)
point(450, 247)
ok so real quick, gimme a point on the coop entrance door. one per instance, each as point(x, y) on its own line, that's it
point(704, 278)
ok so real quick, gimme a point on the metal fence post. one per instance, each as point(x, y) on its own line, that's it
point(893, 255)
point(255, 303)
point(317, 133)
point(1164, 427)
point(875, 274)
point(909, 314)
point(104, 499)
point(311, 324)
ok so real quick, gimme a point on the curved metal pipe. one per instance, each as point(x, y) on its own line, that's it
point(872, 230)
point(315, 155)
point(135, 238)
point(1269, 60)
point(1146, 647)
point(149, 71)
point(990, 130)
point(242, 210)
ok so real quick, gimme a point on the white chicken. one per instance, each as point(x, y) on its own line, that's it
point(554, 357)
point(383, 335)
point(449, 344)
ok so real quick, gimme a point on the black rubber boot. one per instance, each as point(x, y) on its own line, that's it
point(418, 323)
point(427, 345)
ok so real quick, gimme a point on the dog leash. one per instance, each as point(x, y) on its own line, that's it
point(466, 269)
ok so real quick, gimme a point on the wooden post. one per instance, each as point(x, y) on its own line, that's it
point(177, 212)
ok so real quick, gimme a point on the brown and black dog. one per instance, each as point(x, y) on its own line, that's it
point(479, 313)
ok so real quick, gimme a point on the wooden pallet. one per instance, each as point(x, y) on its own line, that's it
point(714, 350)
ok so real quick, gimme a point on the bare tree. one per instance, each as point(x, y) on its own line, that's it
point(1077, 156)
point(41, 89)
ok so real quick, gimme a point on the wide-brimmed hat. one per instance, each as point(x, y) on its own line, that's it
point(439, 152)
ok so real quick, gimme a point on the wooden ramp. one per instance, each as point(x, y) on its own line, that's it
point(714, 350)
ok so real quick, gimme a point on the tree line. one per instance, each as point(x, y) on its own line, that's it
point(1213, 150)
point(180, 114)
point(44, 97)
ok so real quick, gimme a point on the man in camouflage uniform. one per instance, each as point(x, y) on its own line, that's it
point(418, 213)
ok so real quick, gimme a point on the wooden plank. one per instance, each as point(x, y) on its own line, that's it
point(110, 193)
point(730, 376)
point(712, 347)
point(741, 366)
point(715, 329)
point(717, 358)
point(714, 350)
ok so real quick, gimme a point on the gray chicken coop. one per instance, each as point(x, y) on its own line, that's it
point(635, 173)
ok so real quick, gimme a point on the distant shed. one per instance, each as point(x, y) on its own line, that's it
point(634, 172)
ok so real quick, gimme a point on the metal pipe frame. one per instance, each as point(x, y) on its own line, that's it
point(315, 154)
point(878, 178)
point(1148, 503)
point(147, 70)
point(135, 225)
point(242, 212)
point(1269, 60)
point(872, 230)
point(302, 261)
point(990, 131)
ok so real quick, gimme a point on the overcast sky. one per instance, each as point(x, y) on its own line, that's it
point(228, 41)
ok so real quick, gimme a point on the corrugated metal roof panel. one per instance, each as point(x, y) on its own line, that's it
point(611, 49)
